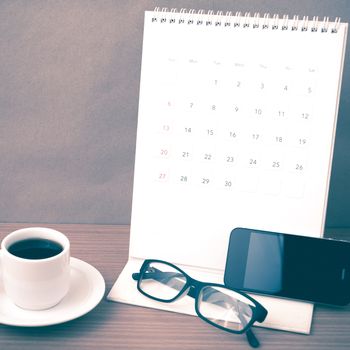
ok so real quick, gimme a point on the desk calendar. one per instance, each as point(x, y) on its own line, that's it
point(236, 127)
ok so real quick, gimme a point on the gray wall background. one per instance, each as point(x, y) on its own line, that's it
point(69, 84)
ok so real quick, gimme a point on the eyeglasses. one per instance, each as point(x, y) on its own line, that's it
point(222, 307)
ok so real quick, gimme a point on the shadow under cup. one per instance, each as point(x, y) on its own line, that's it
point(35, 283)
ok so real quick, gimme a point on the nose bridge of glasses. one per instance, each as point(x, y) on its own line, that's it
point(191, 289)
point(194, 287)
point(192, 292)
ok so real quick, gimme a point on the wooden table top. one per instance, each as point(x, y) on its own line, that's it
point(118, 326)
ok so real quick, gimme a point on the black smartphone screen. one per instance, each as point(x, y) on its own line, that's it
point(298, 267)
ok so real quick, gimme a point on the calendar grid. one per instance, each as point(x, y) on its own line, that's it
point(232, 142)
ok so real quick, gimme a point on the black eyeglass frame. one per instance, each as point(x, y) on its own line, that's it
point(259, 313)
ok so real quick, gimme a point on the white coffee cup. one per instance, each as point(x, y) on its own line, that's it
point(36, 284)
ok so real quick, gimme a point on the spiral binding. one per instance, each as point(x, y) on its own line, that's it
point(246, 20)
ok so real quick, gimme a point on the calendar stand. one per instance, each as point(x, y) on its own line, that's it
point(236, 128)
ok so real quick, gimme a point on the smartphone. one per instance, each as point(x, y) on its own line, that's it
point(290, 266)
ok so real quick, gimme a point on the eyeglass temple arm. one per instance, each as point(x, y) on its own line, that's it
point(155, 274)
point(136, 276)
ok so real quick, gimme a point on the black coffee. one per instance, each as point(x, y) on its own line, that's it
point(35, 248)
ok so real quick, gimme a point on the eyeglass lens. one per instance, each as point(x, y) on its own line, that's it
point(224, 307)
point(162, 281)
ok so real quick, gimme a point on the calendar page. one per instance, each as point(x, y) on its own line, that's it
point(237, 119)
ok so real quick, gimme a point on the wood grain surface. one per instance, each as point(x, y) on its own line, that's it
point(117, 326)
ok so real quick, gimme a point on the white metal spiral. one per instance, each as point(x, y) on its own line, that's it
point(246, 20)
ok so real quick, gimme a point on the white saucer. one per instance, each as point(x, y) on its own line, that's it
point(86, 291)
